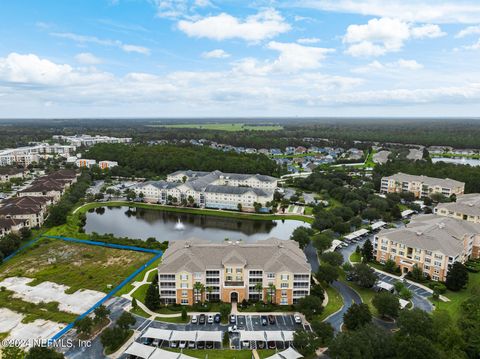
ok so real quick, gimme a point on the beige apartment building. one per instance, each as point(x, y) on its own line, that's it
point(421, 186)
point(431, 242)
point(466, 207)
point(234, 271)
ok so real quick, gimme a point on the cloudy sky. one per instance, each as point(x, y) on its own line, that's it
point(227, 58)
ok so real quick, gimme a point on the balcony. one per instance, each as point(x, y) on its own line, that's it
point(231, 283)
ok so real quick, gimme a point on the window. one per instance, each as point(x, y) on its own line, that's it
point(184, 301)
point(239, 270)
point(184, 285)
point(229, 270)
point(198, 275)
point(284, 293)
point(184, 293)
point(184, 277)
point(271, 275)
point(284, 277)
point(284, 285)
point(437, 264)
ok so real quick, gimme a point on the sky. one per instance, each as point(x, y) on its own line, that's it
point(239, 58)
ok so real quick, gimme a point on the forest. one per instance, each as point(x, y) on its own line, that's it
point(151, 161)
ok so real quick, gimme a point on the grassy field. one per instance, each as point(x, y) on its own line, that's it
point(335, 302)
point(75, 265)
point(225, 354)
point(366, 294)
point(229, 127)
point(139, 277)
point(32, 311)
point(356, 257)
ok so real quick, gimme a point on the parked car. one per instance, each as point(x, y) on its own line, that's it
point(264, 320)
point(182, 344)
point(156, 342)
point(232, 329)
point(271, 345)
point(210, 319)
point(233, 319)
point(191, 345)
point(217, 318)
point(173, 344)
point(246, 344)
point(209, 345)
point(260, 345)
point(194, 319)
point(200, 345)
point(271, 319)
point(298, 319)
point(147, 341)
point(201, 319)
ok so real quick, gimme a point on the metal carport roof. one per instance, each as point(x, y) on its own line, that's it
point(156, 333)
point(255, 335)
point(209, 336)
point(274, 335)
point(140, 350)
point(288, 335)
point(164, 354)
point(188, 335)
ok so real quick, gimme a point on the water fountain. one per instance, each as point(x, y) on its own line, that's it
point(179, 226)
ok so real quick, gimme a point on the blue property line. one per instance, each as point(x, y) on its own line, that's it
point(108, 296)
point(106, 244)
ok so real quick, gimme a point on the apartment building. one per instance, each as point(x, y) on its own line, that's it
point(85, 163)
point(466, 207)
point(52, 185)
point(8, 173)
point(9, 225)
point(431, 242)
point(272, 269)
point(210, 189)
point(88, 140)
point(25, 156)
point(105, 165)
point(421, 186)
point(32, 210)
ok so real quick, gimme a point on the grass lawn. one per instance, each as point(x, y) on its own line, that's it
point(139, 311)
point(366, 294)
point(225, 354)
point(335, 302)
point(177, 320)
point(139, 294)
point(139, 277)
point(356, 257)
point(229, 127)
point(456, 298)
point(273, 308)
point(75, 265)
point(32, 311)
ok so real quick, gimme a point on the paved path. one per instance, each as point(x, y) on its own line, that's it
point(349, 296)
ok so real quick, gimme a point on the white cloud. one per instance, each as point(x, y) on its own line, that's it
point(216, 54)
point(377, 66)
point(383, 35)
point(32, 70)
point(84, 39)
point(475, 46)
point(87, 58)
point(309, 40)
point(427, 31)
point(424, 11)
point(174, 9)
point(264, 25)
point(471, 30)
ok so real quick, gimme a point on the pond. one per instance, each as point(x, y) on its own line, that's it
point(457, 160)
point(171, 226)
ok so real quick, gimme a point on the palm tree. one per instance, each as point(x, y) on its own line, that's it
point(198, 288)
point(271, 291)
point(209, 292)
point(259, 289)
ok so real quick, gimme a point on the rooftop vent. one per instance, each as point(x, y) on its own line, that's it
point(419, 233)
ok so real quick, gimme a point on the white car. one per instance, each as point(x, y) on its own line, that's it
point(183, 344)
point(173, 344)
point(246, 344)
point(298, 319)
point(191, 345)
point(232, 329)
point(210, 319)
point(194, 319)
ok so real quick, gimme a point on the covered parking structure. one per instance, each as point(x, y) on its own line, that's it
point(161, 335)
point(289, 353)
point(256, 336)
point(148, 352)
point(275, 336)
point(187, 336)
point(378, 225)
point(288, 336)
point(357, 234)
point(214, 337)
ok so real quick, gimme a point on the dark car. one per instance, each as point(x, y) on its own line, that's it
point(260, 345)
point(201, 319)
point(271, 319)
point(209, 345)
point(271, 345)
point(217, 318)
point(200, 345)
point(264, 320)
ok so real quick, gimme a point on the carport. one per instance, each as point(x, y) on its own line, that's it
point(209, 336)
point(188, 336)
point(164, 354)
point(290, 353)
point(288, 336)
point(159, 334)
point(140, 350)
point(252, 336)
point(275, 336)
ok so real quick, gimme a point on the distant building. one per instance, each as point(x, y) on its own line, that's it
point(25, 156)
point(85, 163)
point(300, 150)
point(466, 207)
point(8, 173)
point(433, 243)
point(107, 164)
point(87, 140)
point(233, 271)
point(10, 225)
point(421, 186)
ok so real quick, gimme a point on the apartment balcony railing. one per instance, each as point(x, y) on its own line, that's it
point(232, 283)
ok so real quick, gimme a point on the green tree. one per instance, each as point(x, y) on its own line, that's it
point(364, 275)
point(152, 296)
point(415, 322)
point(84, 326)
point(301, 235)
point(12, 352)
point(333, 258)
point(327, 273)
point(271, 292)
point(198, 289)
point(322, 241)
point(224, 311)
point(239, 207)
point(390, 266)
point(386, 304)
point(125, 320)
point(309, 306)
point(305, 342)
point(101, 313)
point(134, 303)
point(323, 330)
point(184, 314)
point(416, 347)
point(226, 339)
point(367, 251)
point(357, 316)
point(457, 277)
point(43, 353)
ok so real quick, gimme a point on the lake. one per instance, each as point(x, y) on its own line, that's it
point(457, 160)
point(171, 226)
